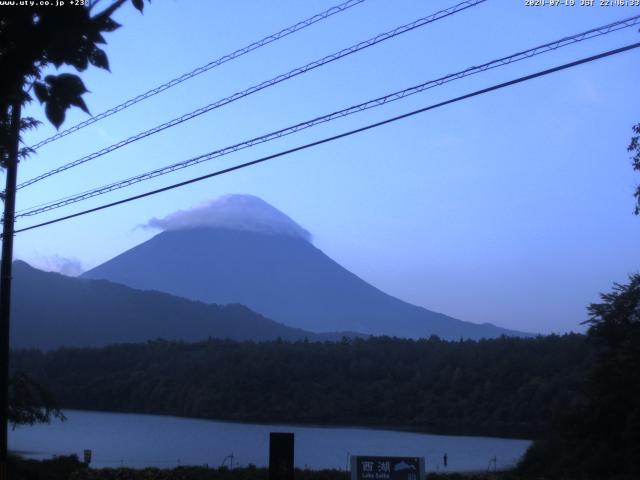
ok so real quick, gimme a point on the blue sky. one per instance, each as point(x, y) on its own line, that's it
point(513, 208)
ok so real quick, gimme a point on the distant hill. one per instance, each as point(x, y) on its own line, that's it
point(242, 250)
point(51, 310)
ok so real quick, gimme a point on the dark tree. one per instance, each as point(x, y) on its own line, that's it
point(30, 402)
point(601, 439)
point(634, 147)
point(33, 38)
point(614, 413)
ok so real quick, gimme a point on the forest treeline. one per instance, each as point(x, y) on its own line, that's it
point(600, 438)
point(503, 387)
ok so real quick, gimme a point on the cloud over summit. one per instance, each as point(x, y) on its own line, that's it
point(234, 212)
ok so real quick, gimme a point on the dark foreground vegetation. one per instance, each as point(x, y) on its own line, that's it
point(600, 438)
point(69, 468)
point(503, 387)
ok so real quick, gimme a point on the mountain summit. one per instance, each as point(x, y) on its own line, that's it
point(235, 212)
point(239, 249)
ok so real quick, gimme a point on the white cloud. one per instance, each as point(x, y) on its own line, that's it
point(71, 267)
point(235, 212)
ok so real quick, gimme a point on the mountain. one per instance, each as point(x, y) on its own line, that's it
point(81, 312)
point(239, 249)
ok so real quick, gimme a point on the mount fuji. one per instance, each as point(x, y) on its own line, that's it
point(238, 249)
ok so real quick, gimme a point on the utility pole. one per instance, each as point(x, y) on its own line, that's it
point(11, 171)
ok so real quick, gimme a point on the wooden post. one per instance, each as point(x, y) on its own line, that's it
point(281, 456)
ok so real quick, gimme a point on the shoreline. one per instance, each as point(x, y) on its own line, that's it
point(328, 425)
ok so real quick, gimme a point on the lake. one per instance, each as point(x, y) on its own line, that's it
point(134, 440)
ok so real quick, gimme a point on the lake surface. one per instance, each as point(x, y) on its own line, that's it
point(149, 440)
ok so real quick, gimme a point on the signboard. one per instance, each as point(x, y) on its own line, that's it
point(387, 468)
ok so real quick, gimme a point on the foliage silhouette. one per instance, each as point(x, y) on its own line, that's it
point(601, 438)
point(34, 37)
point(30, 402)
point(634, 147)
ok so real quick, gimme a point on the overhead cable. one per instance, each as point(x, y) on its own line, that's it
point(204, 68)
point(339, 136)
point(261, 86)
point(391, 97)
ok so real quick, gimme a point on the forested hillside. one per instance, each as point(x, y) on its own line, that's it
point(505, 386)
point(94, 313)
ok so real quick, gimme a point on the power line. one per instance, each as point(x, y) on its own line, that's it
point(261, 86)
point(205, 68)
point(341, 135)
point(592, 33)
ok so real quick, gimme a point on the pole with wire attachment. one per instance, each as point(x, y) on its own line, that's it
point(8, 219)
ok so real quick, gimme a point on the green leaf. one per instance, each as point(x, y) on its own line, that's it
point(41, 91)
point(29, 123)
point(55, 113)
point(99, 59)
point(64, 91)
point(79, 102)
point(96, 37)
point(80, 61)
point(65, 85)
point(108, 25)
